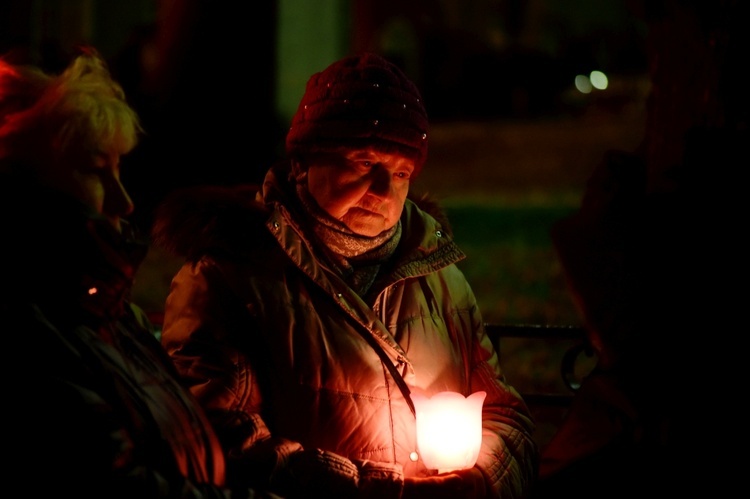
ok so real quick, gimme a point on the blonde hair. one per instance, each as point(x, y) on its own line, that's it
point(43, 114)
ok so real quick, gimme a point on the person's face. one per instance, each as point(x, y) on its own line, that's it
point(364, 188)
point(93, 177)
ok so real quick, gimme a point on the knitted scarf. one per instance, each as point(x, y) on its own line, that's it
point(356, 258)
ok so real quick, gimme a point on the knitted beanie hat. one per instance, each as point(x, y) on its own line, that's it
point(361, 100)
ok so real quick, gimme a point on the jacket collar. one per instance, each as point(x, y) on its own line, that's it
point(426, 245)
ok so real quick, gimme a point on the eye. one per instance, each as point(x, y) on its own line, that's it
point(403, 173)
point(92, 165)
point(101, 165)
point(90, 169)
point(364, 166)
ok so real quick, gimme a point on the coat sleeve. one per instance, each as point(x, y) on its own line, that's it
point(203, 323)
point(509, 456)
point(70, 439)
point(95, 455)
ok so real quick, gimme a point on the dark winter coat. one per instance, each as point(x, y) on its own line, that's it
point(93, 406)
point(277, 346)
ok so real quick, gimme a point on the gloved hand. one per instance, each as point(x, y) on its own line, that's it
point(379, 480)
point(317, 473)
point(464, 484)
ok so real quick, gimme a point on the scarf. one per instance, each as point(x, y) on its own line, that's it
point(356, 258)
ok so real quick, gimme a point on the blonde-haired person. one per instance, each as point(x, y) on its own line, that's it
point(69, 131)
point(92, 400)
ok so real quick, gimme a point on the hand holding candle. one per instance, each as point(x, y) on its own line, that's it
point(449, 429)
point(463, 484)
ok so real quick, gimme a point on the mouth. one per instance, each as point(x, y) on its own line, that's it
point(360, 211)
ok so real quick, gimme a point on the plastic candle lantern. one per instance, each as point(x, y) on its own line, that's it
point(449, 429)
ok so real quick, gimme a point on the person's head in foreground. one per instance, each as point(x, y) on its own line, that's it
point(63, 203)
point(357, 140)
point(67, 132)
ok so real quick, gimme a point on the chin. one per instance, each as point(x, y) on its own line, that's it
point(369, 226)
point(367, 232)
point(365, 229)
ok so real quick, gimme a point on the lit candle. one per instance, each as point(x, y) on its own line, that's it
point(449, 429)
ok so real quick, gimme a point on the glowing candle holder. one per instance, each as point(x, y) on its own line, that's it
point(449, 429)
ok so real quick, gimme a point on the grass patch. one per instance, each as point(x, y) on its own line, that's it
point(511, 264)
point(517, 278)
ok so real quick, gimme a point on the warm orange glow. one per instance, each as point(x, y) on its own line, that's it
point(449, 429)
point(92, 291)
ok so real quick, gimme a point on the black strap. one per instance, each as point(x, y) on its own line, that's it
point(394, 372)
point(370, 338)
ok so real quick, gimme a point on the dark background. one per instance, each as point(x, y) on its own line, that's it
point(216, 84)
point(512, 142)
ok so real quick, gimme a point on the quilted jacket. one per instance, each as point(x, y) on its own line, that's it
point(280, 350)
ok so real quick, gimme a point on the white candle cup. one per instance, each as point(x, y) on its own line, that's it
point(449, 429)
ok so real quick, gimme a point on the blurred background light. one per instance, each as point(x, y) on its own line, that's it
point(583, 84)
point(598, 80)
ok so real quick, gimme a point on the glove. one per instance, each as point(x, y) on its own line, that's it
point(379, 480)
point(319, 473)
point(466, 484)
point(316, 473)
point(255, 466)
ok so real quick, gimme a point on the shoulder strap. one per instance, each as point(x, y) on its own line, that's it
point(391, 368)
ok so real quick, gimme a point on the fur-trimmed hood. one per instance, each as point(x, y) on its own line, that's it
point(193, 220)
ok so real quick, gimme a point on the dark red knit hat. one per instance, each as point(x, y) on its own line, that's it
point(357, 101)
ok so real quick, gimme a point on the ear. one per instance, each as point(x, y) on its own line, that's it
point(299, 172)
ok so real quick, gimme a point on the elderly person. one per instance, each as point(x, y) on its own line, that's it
point(306, 314)
point(94, 403)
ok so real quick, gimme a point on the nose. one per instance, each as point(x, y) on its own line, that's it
point(117, 203)
point(381, 181)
